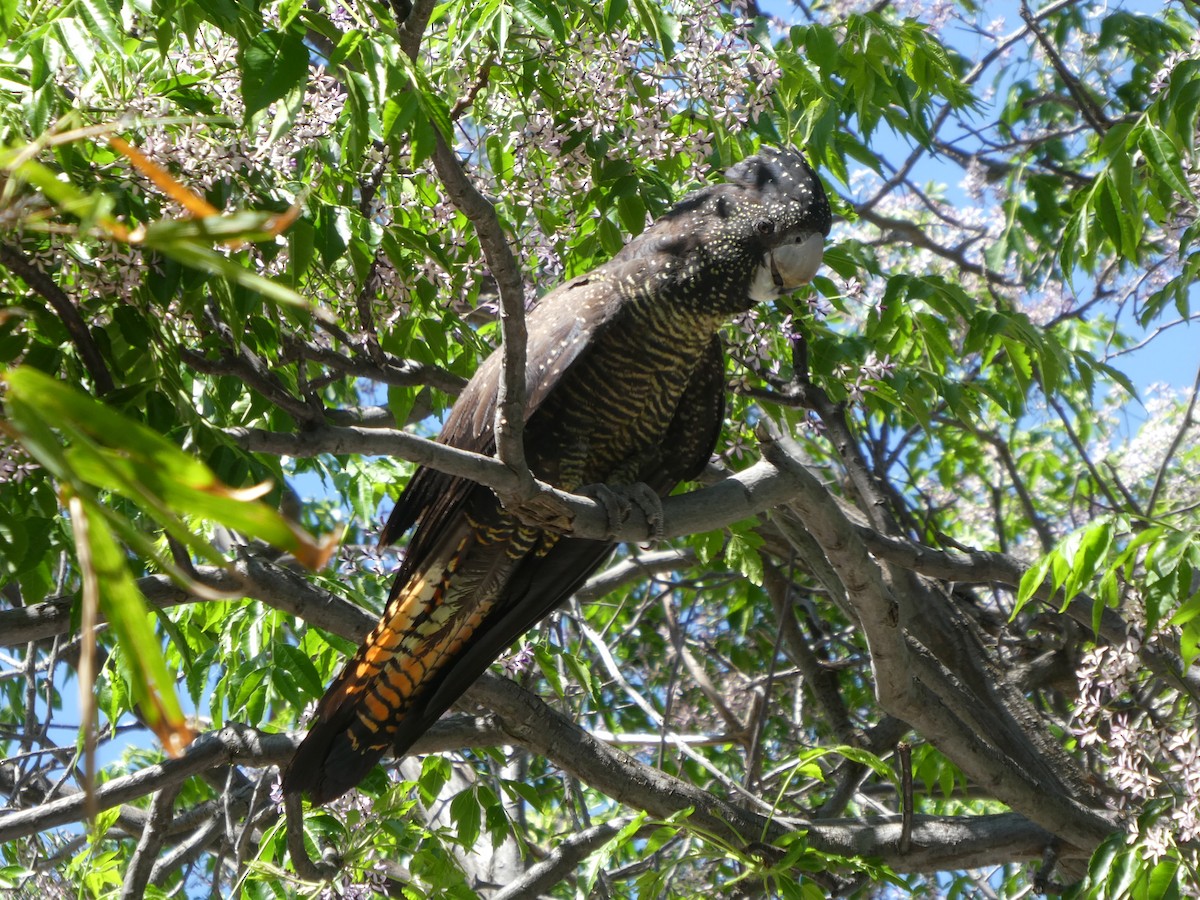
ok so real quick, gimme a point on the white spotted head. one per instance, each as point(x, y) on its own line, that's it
point(795, 219)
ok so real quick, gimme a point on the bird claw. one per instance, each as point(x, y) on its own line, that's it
point(618, 503)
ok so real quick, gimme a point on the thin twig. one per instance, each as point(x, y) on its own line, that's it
point(463, 103)
point(1184, 425)
point(904, 764)
point(1091, 112)
point(614, 671)
point(1077, 443)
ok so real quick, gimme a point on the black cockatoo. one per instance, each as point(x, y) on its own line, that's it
point(625, 384)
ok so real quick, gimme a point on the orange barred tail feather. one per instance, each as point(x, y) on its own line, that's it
point(479, 589)
point(430, 617)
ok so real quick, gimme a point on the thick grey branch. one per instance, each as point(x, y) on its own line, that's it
point(976, 728)
point(746, 494)
point(938, 842)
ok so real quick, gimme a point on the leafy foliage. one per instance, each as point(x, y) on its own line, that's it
point(228, 230)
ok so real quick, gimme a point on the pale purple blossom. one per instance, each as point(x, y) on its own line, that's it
point(1150, 750)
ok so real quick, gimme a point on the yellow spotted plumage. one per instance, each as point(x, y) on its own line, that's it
point(624, 385)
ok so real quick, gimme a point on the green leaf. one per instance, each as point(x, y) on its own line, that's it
point(658, 22)
point(821, 47)
point(8, 18)
point(466, 814)
point(301, 667)
point(544, 657)
point(103, 563)
point(103, 23)
point(1164, 157)
point(125, 456)
point(208, 260)
point(1031, 581)
point(435, 772)
point(1094, 544)
point(1163, 882)
point(272, 64)
point(742, 552)
point(545, 18)
point(1187, 611)
point(431, 102)
point(249, 700)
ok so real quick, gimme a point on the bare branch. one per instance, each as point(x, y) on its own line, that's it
point(821, 681)
point(746, 494)
point(232, 745)
point(510, 397)
point(939, 842)
point(510, 400)
point(242, 363)
point(381, 367)
point(560, 862)
point(911, 233)
point(633, 569)
point(1087, 107)
point(1186, 423)
point(137, 876)
point(412, 28)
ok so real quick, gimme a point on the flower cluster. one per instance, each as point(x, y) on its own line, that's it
point(1145, 455)
point(617, 95)
point(626, 93)
point(1162, 78)
point(15, 464)
point(517, 664)
point(1151, 750)
point(373, 883)
point(860, 381)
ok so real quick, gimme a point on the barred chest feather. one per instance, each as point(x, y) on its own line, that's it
point(610, 413)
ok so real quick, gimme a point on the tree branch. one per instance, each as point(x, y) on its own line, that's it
point(560, 862)
point(81, 337)
point(386, 369)
point(939, 842)
point(510, 399)
point(916, 236)
point(1091, 112)
point(137, 876)
point(746, 494)
point(1186, 422)
point(232, 745)
point(956, 709)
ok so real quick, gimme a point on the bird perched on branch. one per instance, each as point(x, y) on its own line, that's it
point(625, 381)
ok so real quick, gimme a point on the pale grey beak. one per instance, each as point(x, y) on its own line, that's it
point(787, 267)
